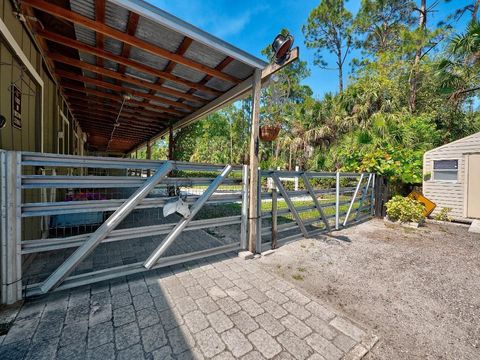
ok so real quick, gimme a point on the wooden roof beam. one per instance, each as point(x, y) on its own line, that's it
point(124, 128)
point(124, 90)
point(153, 87)
point(131, 119)
point(76, 98)
point(111, 111)
point(66, 41)
point(117, 98)
point(76, 18)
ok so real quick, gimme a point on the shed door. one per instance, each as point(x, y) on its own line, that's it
point(473, 203)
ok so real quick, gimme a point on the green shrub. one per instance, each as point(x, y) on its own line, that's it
point(442, 215)
point(404, 209)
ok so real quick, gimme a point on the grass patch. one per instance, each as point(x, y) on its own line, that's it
point(298, 277)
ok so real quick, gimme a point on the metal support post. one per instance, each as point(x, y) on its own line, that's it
point(107, 227)
point(258, 245)
point(274, 218)
point(244, 224)
point(182, 224)
point(11, 226)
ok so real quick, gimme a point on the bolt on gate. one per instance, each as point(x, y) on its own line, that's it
point(70, 220)
point(324, 201)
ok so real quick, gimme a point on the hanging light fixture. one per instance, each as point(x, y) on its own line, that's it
point(281, 46)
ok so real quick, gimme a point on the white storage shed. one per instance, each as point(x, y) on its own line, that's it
point(451, 177)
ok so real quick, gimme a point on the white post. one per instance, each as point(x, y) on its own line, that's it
point(297, 168)
point(244, 225)
point(11, 226)
point(337, 202)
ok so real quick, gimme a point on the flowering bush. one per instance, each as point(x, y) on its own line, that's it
point(443, 215)
point(404, 209)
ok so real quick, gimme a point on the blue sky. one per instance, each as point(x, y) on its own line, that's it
point(252, 24)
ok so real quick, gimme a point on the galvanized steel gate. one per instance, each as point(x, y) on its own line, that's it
point(69, 221)
point(322, 202)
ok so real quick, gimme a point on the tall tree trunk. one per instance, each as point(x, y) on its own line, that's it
point(340, 77)
point(475, 10)
point(340, 66)
point(422, 25)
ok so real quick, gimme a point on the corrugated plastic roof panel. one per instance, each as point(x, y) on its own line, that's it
point(147, 58)
point(159, 35)
point(203, 54)
point(140, 75)
point(116, 16)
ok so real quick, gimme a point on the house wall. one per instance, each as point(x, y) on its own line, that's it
point(450, 194)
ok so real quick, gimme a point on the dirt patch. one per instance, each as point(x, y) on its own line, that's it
point(419, 289)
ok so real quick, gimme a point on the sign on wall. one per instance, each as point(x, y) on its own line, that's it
point(16, 107)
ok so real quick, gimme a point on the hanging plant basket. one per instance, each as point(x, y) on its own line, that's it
point(269, 132)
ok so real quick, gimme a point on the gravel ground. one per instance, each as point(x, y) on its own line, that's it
point(419, 289)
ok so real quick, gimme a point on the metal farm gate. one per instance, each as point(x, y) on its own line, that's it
point(322, 202)
point(68, 221)
point(73, 220)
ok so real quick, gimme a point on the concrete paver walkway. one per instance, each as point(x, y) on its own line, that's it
point(223, 307)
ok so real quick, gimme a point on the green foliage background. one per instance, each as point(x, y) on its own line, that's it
point(413, 88)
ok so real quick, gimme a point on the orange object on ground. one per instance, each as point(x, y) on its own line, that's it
point(428, 205)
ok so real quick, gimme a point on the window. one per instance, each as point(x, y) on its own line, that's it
point(445, 170)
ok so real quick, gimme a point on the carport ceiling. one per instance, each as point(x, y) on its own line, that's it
point(103, 50)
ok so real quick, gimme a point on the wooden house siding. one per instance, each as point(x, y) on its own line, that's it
point(28, 137)
point(450, 194)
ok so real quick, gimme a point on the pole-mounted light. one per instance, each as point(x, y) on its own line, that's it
point(281, 46)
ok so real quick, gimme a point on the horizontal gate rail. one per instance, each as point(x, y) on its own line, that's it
point(74, 207)
point(42, 245)
point(57, 181)
point(59, 160)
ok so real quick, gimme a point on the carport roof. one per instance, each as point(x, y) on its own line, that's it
point(106, 52)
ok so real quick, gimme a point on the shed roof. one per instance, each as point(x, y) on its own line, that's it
point(112, 53)
point(469, 141)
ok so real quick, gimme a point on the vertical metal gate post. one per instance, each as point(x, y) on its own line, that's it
point(182, 224)
point(11, 226)
point(107, 227)
point(244, 224)
point(372, 196)
point(258, 242)
point(337, 202)
point(274, 217)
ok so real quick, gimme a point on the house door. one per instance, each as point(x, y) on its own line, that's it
point(473, 191)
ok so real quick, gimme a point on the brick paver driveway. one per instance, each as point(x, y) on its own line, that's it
point(222, 308)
